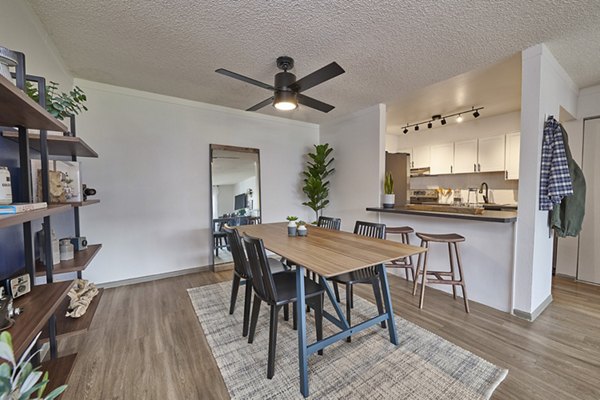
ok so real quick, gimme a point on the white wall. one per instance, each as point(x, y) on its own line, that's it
point(588, 105)
point(225, 199)
point(470, 128)
point(153, 176)
point(358, 142)
point(546, 87)
point(21, 30)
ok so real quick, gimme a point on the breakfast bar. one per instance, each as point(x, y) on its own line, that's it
point(488, 253)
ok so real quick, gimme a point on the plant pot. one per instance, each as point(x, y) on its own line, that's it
point(302, 231)
point(7, 59)
point(389, 200)
point(292, 228)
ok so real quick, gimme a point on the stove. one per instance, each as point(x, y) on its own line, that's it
point(420, 196)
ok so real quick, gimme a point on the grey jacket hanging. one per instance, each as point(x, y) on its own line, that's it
point(567, 217)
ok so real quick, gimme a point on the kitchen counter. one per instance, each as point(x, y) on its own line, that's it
point(487, 216)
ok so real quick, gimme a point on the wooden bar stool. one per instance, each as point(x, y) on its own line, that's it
point(452, 239)
point(405, 263)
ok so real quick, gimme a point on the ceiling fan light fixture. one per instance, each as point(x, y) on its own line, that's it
point(285, 101)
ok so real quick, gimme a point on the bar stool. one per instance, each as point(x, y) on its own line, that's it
point(452, 239)
point(405, 263)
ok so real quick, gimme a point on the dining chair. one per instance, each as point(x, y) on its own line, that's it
point(243, 276)
point(329, 223)
point(366, 275)
point(277, 290)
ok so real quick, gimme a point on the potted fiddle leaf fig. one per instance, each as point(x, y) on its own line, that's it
point(292, 226)
point(20, 380)
point(389, 198)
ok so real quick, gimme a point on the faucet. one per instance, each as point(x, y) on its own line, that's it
point(486, 198)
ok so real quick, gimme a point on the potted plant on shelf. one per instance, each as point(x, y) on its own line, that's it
point(292, 226)
point(389, 198)
point(19, 380)
point(60, 104)
point(302, 231)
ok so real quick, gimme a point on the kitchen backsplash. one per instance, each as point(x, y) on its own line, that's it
point(502, 191)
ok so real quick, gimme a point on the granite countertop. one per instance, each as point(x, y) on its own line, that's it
point(487, 216)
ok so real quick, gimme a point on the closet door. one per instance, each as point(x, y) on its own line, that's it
point(589, 252)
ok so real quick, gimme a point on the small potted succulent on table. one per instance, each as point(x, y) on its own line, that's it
point(292, 226)
point(302, 231)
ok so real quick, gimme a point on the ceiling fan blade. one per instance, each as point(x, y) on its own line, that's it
point(313, 103)
point(244, 79)
point(261, 104)
point(319, 76)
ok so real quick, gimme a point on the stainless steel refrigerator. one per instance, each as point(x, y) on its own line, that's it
point(398, 164)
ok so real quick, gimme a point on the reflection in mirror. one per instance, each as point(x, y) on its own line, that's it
point(235, 193)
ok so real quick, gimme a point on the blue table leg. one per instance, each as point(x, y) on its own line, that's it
point(301, 320)
point(387, 300)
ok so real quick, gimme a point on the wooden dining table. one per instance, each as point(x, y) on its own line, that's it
point(329, 253)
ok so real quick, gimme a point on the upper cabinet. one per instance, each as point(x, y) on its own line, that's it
point(421, 157)
point(442, 159)
point(465, 156)
point(513, 148)
point(491, 154)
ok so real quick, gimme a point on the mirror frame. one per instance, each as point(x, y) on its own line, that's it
point(238, 149)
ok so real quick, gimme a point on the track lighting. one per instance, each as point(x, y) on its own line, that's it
point(443, 119)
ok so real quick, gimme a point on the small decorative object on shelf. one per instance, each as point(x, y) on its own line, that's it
point(302, 231)
point(55, 246)
point(64, 181)
point(292, 227)
point(16, 208)
point(389, 198)
point(79, 243)
point(81, 294)
point(5, 186)
point(67, 251)
point(7, 59)
point(20, 285)
point(20, 380)
point(88, 191)
point(61, 105)
point(6, 311)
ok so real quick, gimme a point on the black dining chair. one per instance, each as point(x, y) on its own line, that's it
point(329, 223)
point(277, 290)
point(242, 274)
point(366, 275)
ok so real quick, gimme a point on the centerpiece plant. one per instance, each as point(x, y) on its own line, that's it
point(316, 184)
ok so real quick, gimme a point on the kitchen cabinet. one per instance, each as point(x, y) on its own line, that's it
point(513, 147)
point(442, 159)
point(421, 157)
point(465, 156)
point(491, 155)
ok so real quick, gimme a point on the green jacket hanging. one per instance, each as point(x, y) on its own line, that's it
point(567, 217)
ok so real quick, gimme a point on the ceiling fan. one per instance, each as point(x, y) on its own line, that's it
point(287, 90)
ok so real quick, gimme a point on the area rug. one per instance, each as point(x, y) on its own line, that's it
point(424, 366)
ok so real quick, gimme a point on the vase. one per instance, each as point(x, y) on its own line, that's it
point(292, 228)
point(302, 231)
point(389, 200)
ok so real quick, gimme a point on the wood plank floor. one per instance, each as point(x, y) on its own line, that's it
point(146, 343)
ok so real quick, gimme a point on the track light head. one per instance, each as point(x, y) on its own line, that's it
point(443, 122)
point(476, 114)
point(459, 119)
point(429, 125)
point(416, 127)
point(405, 131)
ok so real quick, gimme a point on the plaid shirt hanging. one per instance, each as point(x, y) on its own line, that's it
point(555, 180)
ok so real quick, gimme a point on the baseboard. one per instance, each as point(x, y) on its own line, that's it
point(155, 277)
point(531, 316)
point(223, 267)
point(565, 276)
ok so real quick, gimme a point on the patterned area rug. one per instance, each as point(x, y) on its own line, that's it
point(424, 366)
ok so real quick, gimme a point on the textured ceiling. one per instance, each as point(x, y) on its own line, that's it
point(388, 48)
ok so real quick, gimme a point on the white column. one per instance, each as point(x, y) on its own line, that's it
point(546, 88)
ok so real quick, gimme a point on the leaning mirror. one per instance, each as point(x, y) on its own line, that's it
point(235, 195)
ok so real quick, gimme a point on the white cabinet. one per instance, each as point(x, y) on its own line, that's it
point(442, 158)
point(465, 156)
point(491, 154)
point(421, 157)
point(513, 148)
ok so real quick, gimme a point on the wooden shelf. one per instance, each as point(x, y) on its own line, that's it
point(18, 109)
point(19, 218)
point(80, 262)
point(67, 326)
point(58, 145)
point(59, 371)
point(85, 203)
point(38, 306)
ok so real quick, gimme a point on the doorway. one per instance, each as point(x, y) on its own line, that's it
point(234, 195)
point(588, 262)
